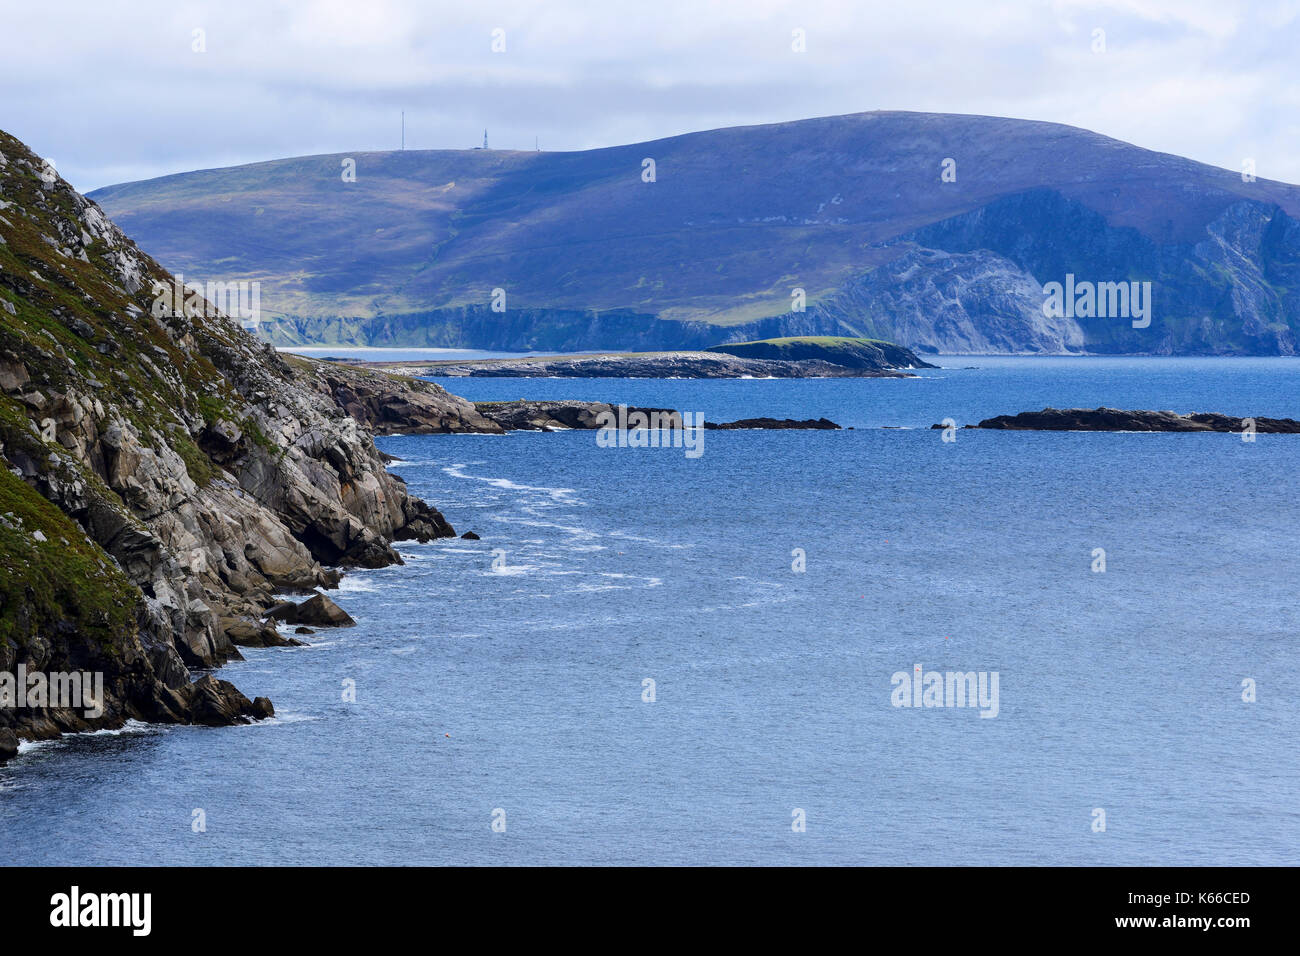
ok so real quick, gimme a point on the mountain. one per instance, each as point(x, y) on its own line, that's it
point(854, 210)
point(164, 475)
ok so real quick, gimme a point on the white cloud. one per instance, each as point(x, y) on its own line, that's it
point(120, 95)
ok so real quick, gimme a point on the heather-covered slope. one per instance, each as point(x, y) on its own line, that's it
point(163, 476)
point(852, 209)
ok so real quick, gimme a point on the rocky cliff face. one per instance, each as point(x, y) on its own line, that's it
point(974, 283)
point(164, 475)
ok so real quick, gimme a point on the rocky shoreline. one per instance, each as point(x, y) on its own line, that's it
point(640, 365)
point(1117, 420)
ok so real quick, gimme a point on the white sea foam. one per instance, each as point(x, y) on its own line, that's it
point(559, 494)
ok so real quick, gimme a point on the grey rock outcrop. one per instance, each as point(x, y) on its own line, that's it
point(316, 611)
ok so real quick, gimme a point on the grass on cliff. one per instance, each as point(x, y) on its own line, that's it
point(63, 580)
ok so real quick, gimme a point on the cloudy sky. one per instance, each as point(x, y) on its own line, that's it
point(115, 91)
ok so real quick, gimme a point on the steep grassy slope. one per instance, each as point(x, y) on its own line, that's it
point(590, 255)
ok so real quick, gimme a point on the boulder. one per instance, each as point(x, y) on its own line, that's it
point(218, 703)
point(317, 611)
point(245, 632)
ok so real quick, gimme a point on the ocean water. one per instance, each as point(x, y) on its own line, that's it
point(505, 678)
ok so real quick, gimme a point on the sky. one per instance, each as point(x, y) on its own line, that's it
point(114, 91)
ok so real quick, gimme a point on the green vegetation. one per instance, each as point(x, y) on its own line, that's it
point(46, 585)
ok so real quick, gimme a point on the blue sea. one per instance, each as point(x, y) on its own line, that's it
point(657, 659)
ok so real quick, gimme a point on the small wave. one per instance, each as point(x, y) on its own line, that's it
point(458, 471)
point(287, 717)
point(355, 584)
point(132, 726)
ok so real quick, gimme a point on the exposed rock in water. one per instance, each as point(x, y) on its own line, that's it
point(646, 365)
point(525, 415)
point(470, 536)
point(558, 415)
point(1115, 420)
point(164, 474)
point(246, 632)
point(218, 703)
point(318, 611)
point(774, 423)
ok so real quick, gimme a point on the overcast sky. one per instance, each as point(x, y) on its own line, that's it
point(113, 92)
